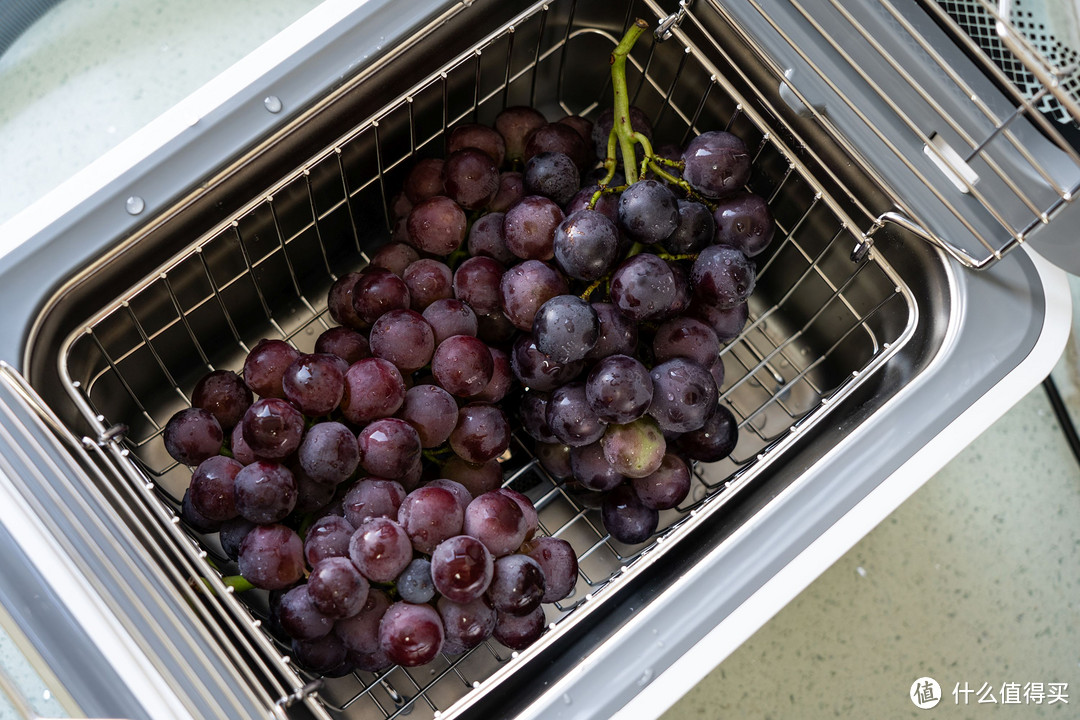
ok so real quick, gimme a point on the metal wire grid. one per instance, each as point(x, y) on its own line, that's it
point(982, 146)
point(976, 19)
point(823, 323)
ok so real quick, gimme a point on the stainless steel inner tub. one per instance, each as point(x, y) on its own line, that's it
point(860, 304)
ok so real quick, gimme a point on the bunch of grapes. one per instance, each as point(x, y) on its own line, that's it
point(363, 487)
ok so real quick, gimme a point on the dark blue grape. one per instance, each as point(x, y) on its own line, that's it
point(618, 333)
point(193, 435)
point(224, 394)
point(414, 584)
point(538, 371)
point(566, 328)
point(684, 395)
point(571, 418)
point(643, 287)
point(328, 453)
point(695, 230)
point(626, 518)
point(619, 389)
point(716, 163)
point(714, 440)
point(592, 470)
point(722, 276)
point(586, 244)
point(744, 221)
point(552, 175)
point(688, 338)
point(648, 211)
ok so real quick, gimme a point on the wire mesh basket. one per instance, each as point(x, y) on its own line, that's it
point(819, 323)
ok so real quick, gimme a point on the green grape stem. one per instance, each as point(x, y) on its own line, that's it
point(238, 583)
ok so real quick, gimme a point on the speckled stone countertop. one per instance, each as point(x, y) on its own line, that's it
point(973, 581)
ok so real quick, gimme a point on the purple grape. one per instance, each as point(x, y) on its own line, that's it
point(533, 415)
point(430, 515)
point(515, 124)
point(328, 537)
point(566, 328)
point(380, 549)
point(437, 226)
point(722, 276)
point(717, 372)
point(377, 292)
point(388, 447)
point(532, 519)
point(727, 323)
point(527, 286)
point(486, 238)
point(395, 256)
point(635, 449)
point(232, 534)
point(537, 371)
point(518, 632)
point(744, 222)
point(314, 383)
point(684, 394)
point(360, 633)
point(271, 557)
point(714, 440)
point(324, 656)
point(648, 211)
point(414, 584)
point(374, 388)
point(571, 418)
point(481, 137)
point(639, 122)
point(511, 189)
point(240, 450)
point(561, 139)
point(471, 178)
point(687, 338)
point(618, 333)
point(555, 458)
point(336, 587)
point(424, 180)
point(375, 662)
point(459, 491)
point(529, 227)
point(428, 280)
point(643, 287)
point(372, 498)
point(193, 435)
point(619, 389)
point(695, 229)
point(272, 428)
point(411, 635)
point(482, 433)
point(517, 585)
point(497, 521)
point(716, 163)
point(212, 492)
point(404, 338)
point(194, 518)
point(684, 292)
point(477, 283)
point(265, 365)
point(339, 301)
point(265, 492)
point(346, 344)
point(462, 365)
point(432, 411)
point(625, 518)
point(607, 204)
point(502, 378)
point(586, 244)
point(224, 395)
point(299, 617)
point(666, 487)
point(495, 329)
point(328, 453)
point(559, 563)
point(552, 175)
point(461, 568)
point(466, 624)
point(477, 478)
point(310, 494)
point(591, 468)
point(583, 127)
point(451, 317)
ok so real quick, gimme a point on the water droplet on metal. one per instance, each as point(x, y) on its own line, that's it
point(567, 699)
point(645, 678)
point(272, 103)
point(134, 205)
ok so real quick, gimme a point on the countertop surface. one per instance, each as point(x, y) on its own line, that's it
point(973, 581)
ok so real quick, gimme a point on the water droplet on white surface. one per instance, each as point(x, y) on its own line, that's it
point(272, 103)
point(46, 694)
point(567, 699)
point(134, 205)
point(645, 678)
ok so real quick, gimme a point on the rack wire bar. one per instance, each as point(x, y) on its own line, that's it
point(815, 331)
